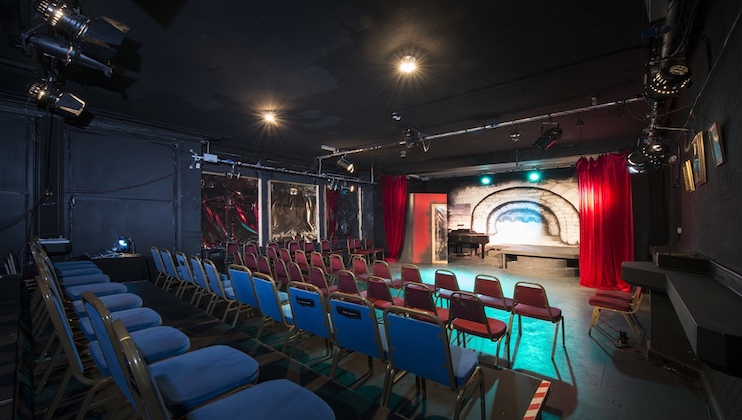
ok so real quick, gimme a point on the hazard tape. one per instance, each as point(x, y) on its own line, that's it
point(534, 408)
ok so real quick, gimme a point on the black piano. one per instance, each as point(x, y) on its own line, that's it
point(466, 237)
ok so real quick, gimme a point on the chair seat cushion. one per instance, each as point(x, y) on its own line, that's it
point(98, 289)
point(114, 303)
point(445, 293)
point(464, 363)
point(493, 302)
point(614, 294)
point(607, 302)
point(537, 312)
point(81, 263)
point(229, 292)
point(77, 271)
point(279, 399)
point(72, 281)
point(497, 327)
point(134, 320)
point(154, 344)
point(188, 380)
point(383, 304)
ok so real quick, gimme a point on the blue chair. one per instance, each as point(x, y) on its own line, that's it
point(171, 270)
point(278, 399)
point(199, 279)
point(418, 344)
point(244, 292)
point(184, 382)
point(356, 328)
point(309, 312)
point(185, 274)
point(157, 257)
point(221, 288)
point(272, 306)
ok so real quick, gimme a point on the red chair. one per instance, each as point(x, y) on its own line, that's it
point(336, 264)
point(489, 290)
point(530, 300)
point(295, 273)
point(317, 278)
point(293, 246)
point(627, 308)
point(355, 248)
point(264, 266)
point(360, 269)
point(377, 292)
point(251, 248)
point(420, 296)
point(347, 283)
point(369, 245)
point(380, 268)
point(445, 284)
point(251, 262)
point(410, 274)
point(272, 250)
point(280, 273)
point(237, 258)
point(468, 317)
point(285, 255)
point(232, 248)
point(300, 258)
point(325, 248)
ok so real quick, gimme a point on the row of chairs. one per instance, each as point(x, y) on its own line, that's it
point(177, 376)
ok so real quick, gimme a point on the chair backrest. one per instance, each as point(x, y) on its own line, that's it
point(316, 259)
point(184, 269)
point(347, 282)
point(252, 248)
point(167, 262)
point(264, 265)
point(214, 278)
point(241, 278)
point(360, 268)
point(232, 248)
point(336, 263)
point(285, 255)
point(368, 243)
point(237, 258)
point(271, 250)
point(468, 306)
point(251, 261)
point(380, 268)
point(268, 300)
point(280, 273)
point(488, 286)
point(532, 294)
point(295, 273)
point(292, 247)
point(301, 258)
point(307, 246)
point(335, 243)
point(355, 325)
point(446, 279)
point(317, 278)
point(308, 309)
point(411, 274)
point(325, 246)
point(377, 289)
point(418, 344)
point(418, 296)
point(157, 257)
point(199, 275)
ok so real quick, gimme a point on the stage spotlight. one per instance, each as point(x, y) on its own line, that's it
point(549, 137)
point(99, 29)
point(269, 117)
point(67, 52)
point(667, 82)
point(485, 180)
point(534, 176)
point(407, 65)
point(56, 99)
point(345, 164)
point(649, 157)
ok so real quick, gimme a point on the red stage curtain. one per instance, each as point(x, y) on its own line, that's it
point(394, 204)
point(606, 221)
point(333, 198)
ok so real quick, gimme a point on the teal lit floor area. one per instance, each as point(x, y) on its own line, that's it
point(591, 378)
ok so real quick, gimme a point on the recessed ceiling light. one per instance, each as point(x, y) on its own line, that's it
point(407, 65)
point(269, 117)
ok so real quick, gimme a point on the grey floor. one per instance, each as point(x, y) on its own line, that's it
point(591, 378)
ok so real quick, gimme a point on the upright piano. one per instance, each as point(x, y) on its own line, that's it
point(460, 237)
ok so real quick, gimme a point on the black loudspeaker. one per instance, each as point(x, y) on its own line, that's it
point(216, 255)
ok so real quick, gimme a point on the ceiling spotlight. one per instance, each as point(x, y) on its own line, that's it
point(410, 137)
point(331, 149)
point(549, 137)
point(485, 180)
point(56, 99)
point(668, 82)
point(345, 164)
point(269, 117)
point(649, 157)
point(407, 65)
point(352, 188)
point(99, 29)
point(534, 176)
point(67, 52)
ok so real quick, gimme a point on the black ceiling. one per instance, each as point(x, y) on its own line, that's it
point(328, 69)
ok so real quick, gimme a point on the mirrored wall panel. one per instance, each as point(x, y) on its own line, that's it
point(230, 210)
point(293, 211)
point(342, 212)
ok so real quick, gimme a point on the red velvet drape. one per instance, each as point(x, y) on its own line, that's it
point(394, 204)
point(606, 221)
point(333, 198)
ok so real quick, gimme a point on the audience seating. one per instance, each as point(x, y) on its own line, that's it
point(251, 261)
point(336, 264)
point(368, 244)
point(380, 268)
point(295, 273)
point(420, 296)
point(157, 257)
point(347, 283)
point(489, 290)
point(410, 274)
point(264, 265)
point(280, 273)
point(273, 306)
point(244, 293)
point(300, 258)
point(317, 278)
point(309, 313)
point(378, 293)
point(530, 300)
point(220, 289)
point(445, 284)
point(186, 275)
point(468, 317)
point(360, 268)
point(627, 308)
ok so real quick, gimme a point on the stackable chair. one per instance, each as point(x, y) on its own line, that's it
point(445, 285)
point(272, 250)
point(489, 290)
point(360, 268)
point(161, 274)
point(183, 385)
point(220, 289)
point(378, 293)
point(410, 274)
point(171, 269)
point(468, 317)
point(420, 296)
point(280, 273)
point(325, 248)
point(185, 274)
point(309, 312)
point(347, 283)
point(530, 300)
point(148, 394)
point(380, 268)
point(244, 293)
point(368, 244)
point(251, 248)
point(295, 273)
point(285, 255)
point(418, 344)
point(251, 261)
point(292, 247)
point(356, 329)
point(355, 248)
point(300, 258)
point(627, 308)
point(317, 278)
point(232, 252)
point(273, 306)
point(199, 279)
point(264, 265)
point(317, 260)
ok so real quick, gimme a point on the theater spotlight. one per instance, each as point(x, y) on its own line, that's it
point(345, 164)
point(56, 99)
point(667, 82)
point(548, 137)
point(485, 180)
point(649, 157)
point(534, 176)
point(68, 53)
point(98, 29)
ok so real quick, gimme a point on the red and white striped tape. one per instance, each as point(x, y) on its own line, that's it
point(534, 408)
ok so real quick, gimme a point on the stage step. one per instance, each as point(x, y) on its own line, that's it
point(551, 268)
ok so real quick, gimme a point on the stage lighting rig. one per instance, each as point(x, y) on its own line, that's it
point(54, 99)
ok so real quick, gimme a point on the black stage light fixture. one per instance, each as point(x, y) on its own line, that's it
point(98, 29)
point(549, 137)
point(668, 82)
point(55, 99)
point(345, 164)
point(65, 51)
point(649, 157)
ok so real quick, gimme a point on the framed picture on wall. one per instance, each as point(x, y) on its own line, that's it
point(690, 185)
point(717, 149)
point(699, 160)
